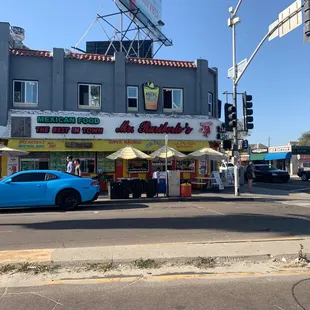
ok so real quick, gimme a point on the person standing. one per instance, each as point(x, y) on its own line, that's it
point(156, 175)
point(78, 171)
point(70, 166)
point(250, 176)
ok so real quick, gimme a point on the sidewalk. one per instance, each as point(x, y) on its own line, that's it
point(125, 253)
point(259, 194)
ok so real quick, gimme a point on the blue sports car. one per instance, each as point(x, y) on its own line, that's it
point(35, 188)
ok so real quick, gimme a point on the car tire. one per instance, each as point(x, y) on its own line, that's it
point(68, 199)
point(304, 177)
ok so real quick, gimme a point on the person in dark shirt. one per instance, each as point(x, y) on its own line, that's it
point(250, 175)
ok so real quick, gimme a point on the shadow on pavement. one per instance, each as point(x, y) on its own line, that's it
point(92, 207)
point(288, 226)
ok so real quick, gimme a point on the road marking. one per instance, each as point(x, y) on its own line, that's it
point(5, 231)
point(177, 277)
point(216, 212)
point(20, 256)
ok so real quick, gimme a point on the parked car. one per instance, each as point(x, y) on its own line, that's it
point(304, 171)
point(35, 188)
point(268, 173)
point(225, 166)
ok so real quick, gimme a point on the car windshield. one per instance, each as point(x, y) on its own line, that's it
point(266, 168)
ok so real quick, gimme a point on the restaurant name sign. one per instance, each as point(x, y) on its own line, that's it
point(146, 127)
point(259, 150)
point(60, 125)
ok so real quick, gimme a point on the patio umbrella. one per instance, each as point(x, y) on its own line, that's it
point(171, 152)
point(207, 151)
point(6, 151)
point(128, 152)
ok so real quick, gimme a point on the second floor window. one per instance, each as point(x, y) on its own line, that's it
point(89, 96)
point(210, 103)
point(132, 98)
point(25, 93)
point(173, 99)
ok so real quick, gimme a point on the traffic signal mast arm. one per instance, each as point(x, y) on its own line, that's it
point(270, 32)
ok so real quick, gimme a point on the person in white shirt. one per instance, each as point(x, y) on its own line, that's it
point(156, 175)
point(70, 166)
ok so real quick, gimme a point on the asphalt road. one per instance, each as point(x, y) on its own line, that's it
point(274, 293)
point(151, 223)
point(294, 185)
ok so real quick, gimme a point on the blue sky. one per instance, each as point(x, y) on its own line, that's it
point(278, 78)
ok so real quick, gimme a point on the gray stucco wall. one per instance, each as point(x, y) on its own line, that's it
point(59, 76)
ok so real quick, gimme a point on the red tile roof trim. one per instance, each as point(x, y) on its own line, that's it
point(97, 57)
point(94, 57)
point(33, 53)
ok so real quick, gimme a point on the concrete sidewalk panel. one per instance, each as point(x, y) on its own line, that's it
point(181, 250)
point(83, 254)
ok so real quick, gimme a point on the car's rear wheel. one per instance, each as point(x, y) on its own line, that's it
point(68, 199)
point(304, 177)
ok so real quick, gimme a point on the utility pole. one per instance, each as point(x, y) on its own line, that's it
point(269, 140)
point(232, 22)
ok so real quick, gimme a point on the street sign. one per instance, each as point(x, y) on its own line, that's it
point(293, 22)
point(240, 67)
point(276, 32)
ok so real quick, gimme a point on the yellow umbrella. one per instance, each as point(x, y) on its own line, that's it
point(207, 151)
point(6, 151)
point(128, 152)
point(171, 152)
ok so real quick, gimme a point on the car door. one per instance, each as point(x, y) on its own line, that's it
point(258, 173)
point(26, 189)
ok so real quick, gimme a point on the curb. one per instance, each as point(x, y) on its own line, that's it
point(173, 199)
point(162, 251)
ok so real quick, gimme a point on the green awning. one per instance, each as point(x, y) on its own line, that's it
point(257, 157)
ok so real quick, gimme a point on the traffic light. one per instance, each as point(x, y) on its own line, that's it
point(247, 112)
point(307, 20)
point(230, 117)
point(245, 145)
point(220, 130)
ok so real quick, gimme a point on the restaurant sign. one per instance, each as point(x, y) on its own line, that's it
point(85, 126)
point(68, 124)
point(279, 149)
point(259, 150)
point(148, 128)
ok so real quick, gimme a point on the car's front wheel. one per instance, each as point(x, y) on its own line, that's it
point(304, 177)
point(68, 199)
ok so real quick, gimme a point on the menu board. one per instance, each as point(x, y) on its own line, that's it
point(186, 165)
point(138, 166)
point(104, 164)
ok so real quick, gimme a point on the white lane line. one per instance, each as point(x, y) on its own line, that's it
point(5, 231)
point(219, 213)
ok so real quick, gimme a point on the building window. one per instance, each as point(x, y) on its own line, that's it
point(25, 93)
point(89, 96)
point(132, 98)
point(173, 100)
point(210, 103)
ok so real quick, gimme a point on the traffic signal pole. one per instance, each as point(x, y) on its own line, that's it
point(232, 22)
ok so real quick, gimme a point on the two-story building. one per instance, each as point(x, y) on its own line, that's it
point(58, 103)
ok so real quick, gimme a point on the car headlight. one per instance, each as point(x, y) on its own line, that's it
point(274, 174)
